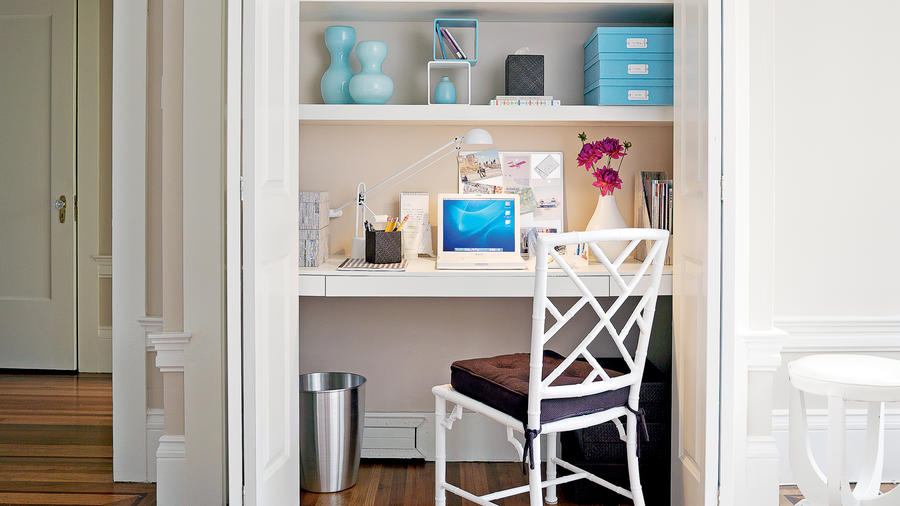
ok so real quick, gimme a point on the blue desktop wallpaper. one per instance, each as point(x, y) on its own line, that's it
point(479, 225)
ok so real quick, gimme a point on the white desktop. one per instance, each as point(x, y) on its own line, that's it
point(478, 232)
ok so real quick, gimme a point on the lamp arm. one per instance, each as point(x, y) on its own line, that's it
point(413, 165)
point(420, 169)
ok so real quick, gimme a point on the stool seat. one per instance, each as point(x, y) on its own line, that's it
point(850, 377)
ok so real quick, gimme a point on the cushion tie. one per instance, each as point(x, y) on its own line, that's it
point(528, 449)
point(642, 419)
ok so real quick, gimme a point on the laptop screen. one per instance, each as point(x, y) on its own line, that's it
point(479, 225)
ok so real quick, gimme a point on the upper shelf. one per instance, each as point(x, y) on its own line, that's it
point(483, 115)
point(582, 11)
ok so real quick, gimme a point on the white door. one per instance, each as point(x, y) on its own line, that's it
point(37, 167)
point(270, 239)
point(697, 253)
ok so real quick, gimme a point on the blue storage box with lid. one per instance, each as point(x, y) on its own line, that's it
point(629, 65)
point(629, 39)
point(629, 92)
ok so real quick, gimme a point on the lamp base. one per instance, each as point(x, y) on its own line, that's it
point(358, 247)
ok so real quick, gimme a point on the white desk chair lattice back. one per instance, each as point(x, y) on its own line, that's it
point(560, 393)
point(840, 378)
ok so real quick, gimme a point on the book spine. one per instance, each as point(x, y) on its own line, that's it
point(440, 37)
point(452, 43)
point(525, 102)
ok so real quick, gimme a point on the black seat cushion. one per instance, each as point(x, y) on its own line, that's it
point(501, 382)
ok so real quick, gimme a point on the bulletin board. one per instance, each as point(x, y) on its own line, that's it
point(536, 176)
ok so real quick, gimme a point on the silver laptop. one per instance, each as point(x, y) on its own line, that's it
point(478, 232)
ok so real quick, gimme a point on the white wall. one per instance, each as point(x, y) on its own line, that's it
point(835, 162)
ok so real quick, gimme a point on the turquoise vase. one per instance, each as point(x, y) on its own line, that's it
point(445, 92)
point(371, 86)
point(335, 84)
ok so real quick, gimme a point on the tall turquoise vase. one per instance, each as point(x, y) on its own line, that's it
point(371, 86)
point(335, 84)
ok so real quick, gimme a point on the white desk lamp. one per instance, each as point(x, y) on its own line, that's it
point(473, 137)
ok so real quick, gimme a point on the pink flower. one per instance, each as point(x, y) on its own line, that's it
point(607, 180)
point(611, 147)
point(588, 156)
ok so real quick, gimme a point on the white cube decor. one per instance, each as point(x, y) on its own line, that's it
point(450, 64)
point(314, 232)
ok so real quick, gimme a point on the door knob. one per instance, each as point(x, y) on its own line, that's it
point(60, 205)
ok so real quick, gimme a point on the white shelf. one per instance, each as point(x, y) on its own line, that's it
point(422, 279)
point(582, 11)
point(483, 115)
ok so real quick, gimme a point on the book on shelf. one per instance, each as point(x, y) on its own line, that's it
point(654, 198)
point(525, 100)
point(451, 43)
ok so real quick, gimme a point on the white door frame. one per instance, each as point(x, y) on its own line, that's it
point(129, 164)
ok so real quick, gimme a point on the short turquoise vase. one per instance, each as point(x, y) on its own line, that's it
point(335, 85)
point(445, 92)
point(371, 86)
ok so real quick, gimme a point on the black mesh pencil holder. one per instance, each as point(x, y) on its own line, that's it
point(382, 247)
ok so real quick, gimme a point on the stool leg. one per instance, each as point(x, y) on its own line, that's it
point(836, 450)
point(807, 474)
point(869, 485)
point(552, 440)
point(440, 451)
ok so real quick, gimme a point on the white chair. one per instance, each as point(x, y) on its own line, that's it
point(556, 398)
point(840, 378)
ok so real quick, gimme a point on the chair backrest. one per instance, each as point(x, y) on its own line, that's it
point(545, 248)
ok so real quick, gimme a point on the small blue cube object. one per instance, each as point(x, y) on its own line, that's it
point(629, 65)
point(441, 48)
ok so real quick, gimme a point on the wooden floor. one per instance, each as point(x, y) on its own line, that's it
point(56, 442)
point(56, 448)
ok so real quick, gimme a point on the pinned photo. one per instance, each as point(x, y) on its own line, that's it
point(478, 166)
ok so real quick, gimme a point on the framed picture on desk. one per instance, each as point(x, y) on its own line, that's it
point(536, 176)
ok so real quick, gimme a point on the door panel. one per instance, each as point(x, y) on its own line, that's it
point(697, 252)
point(270, 155)
point(37, 142)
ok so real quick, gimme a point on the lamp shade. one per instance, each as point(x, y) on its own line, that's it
point(477, 136)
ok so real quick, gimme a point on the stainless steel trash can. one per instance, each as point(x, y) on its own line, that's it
point(332, 414)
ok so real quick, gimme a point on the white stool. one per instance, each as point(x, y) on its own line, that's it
point(840, 378)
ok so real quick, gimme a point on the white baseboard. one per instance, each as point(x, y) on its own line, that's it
point(155, 427)
point(170, 467)
point(474, 438)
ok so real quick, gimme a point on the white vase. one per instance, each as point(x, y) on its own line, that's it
point(607, 216)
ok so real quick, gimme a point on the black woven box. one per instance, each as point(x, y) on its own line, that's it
point(382, 247)
point(525, 74)
point(599, 450)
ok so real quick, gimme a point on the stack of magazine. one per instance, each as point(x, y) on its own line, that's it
point(524, 100)
point(654, 199)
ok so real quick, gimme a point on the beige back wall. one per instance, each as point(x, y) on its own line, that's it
point(336, 158)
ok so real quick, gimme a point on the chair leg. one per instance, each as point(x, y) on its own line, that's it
point(552, 442)
point(534, 475)
point(634, 474)
point(440, 451)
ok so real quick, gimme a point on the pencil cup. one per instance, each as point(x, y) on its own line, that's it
point(410, 242)
point(382, 247)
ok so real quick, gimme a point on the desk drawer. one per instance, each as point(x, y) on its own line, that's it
point(457, 286)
